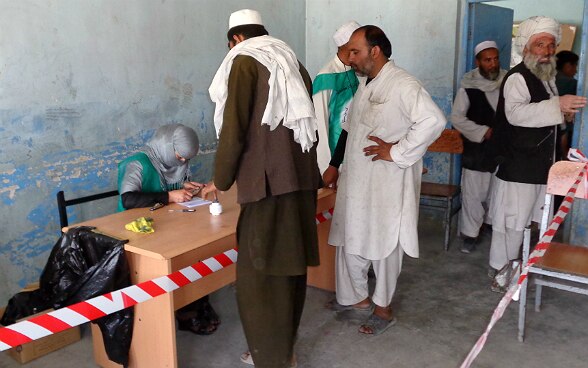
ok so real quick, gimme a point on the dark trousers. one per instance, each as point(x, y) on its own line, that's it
point(270, 308)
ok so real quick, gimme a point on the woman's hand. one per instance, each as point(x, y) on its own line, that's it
point(179, 196)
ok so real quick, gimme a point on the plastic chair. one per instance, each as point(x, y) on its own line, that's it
point(563, 266)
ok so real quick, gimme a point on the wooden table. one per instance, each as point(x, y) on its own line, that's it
point(182, 239)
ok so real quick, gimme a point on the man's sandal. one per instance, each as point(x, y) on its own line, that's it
point(377, 325)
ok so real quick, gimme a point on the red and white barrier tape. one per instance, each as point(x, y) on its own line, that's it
point(324, 216)
point(100, 306)
point(537, 253)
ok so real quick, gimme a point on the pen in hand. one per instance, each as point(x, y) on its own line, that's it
point(190, 210)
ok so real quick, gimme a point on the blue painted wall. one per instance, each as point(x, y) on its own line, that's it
point(85, 84)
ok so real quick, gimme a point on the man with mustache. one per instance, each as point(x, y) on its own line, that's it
point(528, 115)
point(473, 115)
point(392, 122)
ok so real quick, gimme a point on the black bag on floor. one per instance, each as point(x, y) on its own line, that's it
point(82, 265)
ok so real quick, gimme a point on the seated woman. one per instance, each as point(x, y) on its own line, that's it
point(159, 174)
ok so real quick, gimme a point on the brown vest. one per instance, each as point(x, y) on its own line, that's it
point(272, 163)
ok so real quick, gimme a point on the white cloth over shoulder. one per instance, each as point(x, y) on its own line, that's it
point(473, 79)
point(377, 201)
point(288, 98)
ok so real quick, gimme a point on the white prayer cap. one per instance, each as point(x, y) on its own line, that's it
point(244, 16)
point(343, 33)
point(534, 26)
point(483, 46)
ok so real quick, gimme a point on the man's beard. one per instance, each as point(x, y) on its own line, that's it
point(491, 74)
point(365, 70)
point(543, 71)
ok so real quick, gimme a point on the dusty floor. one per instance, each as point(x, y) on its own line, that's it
point(443, 304)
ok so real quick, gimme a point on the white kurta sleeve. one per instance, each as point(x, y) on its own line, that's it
point(321, 107)
point(521, 112)
point(472, 131)
point(428, 123)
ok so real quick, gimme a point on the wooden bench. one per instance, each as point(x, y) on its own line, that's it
point(442, 196)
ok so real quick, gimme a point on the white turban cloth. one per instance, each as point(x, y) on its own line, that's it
point(533, 26)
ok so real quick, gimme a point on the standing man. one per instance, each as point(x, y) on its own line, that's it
point(393, 120)
point(473, 115)
point(267, 144)
point(528, 114)
point(567, 67)
point(332, 89)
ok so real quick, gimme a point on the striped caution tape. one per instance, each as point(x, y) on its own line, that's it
point(324, 216)
point(100, 306)
point(534, 257)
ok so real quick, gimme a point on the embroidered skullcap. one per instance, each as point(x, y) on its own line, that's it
point(244, 16)
point(483, 46)
point(534, 26)
point(343, 33)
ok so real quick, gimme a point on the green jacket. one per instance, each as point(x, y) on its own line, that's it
point(150, 177)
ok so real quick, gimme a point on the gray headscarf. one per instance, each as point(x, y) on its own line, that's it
point(162, 148)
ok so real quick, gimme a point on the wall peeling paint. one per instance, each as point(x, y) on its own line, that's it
point(78, 93)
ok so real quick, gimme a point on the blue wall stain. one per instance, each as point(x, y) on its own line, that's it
point(40, 161)
point(38, 124)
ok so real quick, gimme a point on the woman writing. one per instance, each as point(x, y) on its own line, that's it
point(160, 174)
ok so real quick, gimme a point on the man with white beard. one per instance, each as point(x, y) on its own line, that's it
point(528, 115)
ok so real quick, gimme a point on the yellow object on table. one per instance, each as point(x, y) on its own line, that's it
point(141, 225)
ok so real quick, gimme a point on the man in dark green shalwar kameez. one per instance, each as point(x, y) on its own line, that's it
point(267, 144)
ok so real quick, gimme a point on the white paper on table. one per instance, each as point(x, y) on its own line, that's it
point(195, 203)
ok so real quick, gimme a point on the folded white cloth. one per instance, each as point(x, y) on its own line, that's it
point(288, 98)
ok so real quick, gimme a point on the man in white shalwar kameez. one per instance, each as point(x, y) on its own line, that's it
point(375, 218)
point(528, 114)
point(472, 115)
point(332, 92)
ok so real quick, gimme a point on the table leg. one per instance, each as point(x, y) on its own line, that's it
point(154, 330)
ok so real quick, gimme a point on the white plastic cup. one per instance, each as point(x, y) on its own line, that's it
point(215, 208)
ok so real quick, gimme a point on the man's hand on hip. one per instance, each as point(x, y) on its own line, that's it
point(381, 151)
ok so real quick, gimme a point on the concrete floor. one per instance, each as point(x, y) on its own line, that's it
point(443, 303)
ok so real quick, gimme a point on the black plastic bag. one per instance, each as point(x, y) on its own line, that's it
point(82, 265)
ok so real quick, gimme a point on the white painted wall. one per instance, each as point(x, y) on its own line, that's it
point(423, 37)
point(422, 33)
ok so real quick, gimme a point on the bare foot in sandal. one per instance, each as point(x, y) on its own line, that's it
point(378, 322)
